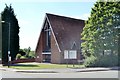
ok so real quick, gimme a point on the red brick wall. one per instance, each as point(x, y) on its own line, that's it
point(23, 61)
point(39, 48)
point(58, 57)
point(55, 54)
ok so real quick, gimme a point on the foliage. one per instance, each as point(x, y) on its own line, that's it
point(90, 61)
point(31, 54)
point(10, 18)
point(22, 57)
point(0, 54)
point(26, 53)
point(18, 56)
point(103, 61)
point(107, 60)
point(22, 52)
point(101, 31)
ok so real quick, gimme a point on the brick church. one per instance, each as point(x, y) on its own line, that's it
point(59, 34)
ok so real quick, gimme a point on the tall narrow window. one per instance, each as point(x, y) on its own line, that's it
point(48, 41)
point(46, 38)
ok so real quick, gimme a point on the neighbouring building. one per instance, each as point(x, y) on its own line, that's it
point(59, 35)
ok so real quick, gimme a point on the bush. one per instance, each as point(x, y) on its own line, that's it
point(90, 61)
point(107, 61)
point(18, 56)
point(31, 55)
point(101, 61)
point(22, 57)
point(22, 52)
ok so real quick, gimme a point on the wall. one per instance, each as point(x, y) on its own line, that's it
point(39, 50)
point(23, 61)
point(40, 47)
point(55, 54)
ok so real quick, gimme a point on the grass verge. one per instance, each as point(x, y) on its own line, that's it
point(23, 66)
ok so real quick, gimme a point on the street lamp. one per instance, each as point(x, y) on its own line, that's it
point(9, 57)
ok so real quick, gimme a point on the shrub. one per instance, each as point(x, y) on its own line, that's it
point(22, 57)
point(90, 61)
point(18, 56)
point(31, 55)
point(101, 61)
point(107, 61)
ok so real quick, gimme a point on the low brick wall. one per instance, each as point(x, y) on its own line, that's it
point(23, 61)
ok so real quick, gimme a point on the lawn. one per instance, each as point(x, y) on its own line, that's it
point(43, 66)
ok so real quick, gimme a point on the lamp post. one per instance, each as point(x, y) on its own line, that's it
point(9, 57)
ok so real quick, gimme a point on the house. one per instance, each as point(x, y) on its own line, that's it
point(59, 35)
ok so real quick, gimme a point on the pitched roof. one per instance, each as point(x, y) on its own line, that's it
point(66, 31)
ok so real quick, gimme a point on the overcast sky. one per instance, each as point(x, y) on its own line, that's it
point(31, 14)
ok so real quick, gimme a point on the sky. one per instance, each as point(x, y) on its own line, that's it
point(30, 15)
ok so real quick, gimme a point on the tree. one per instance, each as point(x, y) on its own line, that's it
point(100, 33)
point(9, 17)
point(0, 38)
point(21, 51)
point(26, 53)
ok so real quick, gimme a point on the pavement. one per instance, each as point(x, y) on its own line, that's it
point(64, 70)
point(67, 70)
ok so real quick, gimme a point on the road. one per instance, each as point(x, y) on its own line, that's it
point(95, 74)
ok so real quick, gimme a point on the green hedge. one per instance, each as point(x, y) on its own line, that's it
point(101, 61)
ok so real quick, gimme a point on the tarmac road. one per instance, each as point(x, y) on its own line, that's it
point(93, 74)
